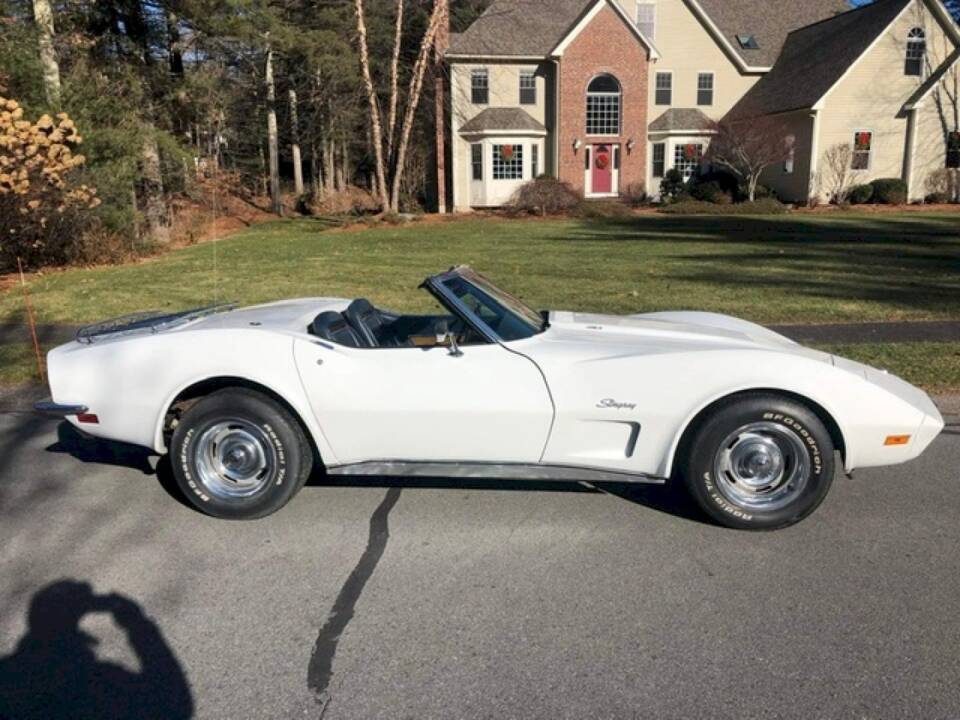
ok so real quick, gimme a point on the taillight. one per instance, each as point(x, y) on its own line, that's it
point(88, 418)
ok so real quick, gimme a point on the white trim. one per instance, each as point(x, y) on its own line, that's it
point(503, 58)
point(722, 40)
point(814, 170)
point(668, 133)
point(590, 15)
point(869, 166)
point(944, 67)
point(911, 150)
point(818, 105)
point(500, 132)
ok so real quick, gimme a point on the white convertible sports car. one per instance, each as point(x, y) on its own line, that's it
point(248, 402)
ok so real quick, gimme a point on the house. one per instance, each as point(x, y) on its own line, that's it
point(609, 95)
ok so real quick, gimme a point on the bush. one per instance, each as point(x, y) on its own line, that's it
point(635, 195)
point(672, 186)
point(889, 191)
point(942, 184)
point(767, 206)
point(936, 198)
point(860, 194)
point(545, 196)
point(603, 209)
point(711, 192)
point(42, 209)
point(762, 192)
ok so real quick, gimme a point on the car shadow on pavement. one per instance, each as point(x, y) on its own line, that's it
point(54, 672)
point(669, 498)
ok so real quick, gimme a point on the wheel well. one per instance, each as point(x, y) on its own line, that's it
point(189, 395)
point(836, 436)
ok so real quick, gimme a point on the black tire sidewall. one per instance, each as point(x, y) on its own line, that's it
point(293, 455)
point(793, 417)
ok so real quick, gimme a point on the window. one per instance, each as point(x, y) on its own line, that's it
point(534, 160)
point(647, 19)
point(916, 52)
point(476, 160)
point(862, 142)
point(479, 86)
point(748, 42)
point(953, 150)
point(528, 87)
point(705, 89)
point(686, 159)
point(659, 159)
point(664, 93)
point(790, 141)
point(508, 162)
point(603, 106)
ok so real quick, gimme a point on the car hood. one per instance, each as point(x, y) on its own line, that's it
point(667, 332)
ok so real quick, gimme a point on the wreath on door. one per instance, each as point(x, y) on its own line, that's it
point(603, 160)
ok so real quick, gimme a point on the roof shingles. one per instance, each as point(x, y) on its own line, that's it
point(502, 118)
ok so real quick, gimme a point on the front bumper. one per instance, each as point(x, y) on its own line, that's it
point(48, 407)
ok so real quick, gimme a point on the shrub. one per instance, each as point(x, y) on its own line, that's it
point(767, 206)
point(544, 196)
point(936, 198)
point(889, 191)
point(635, 195)
point(762, 192)
point(711, 192)
point(42, 210)
point(728, 182)
point(943, 184)
point(860, 194)
point(672, 186)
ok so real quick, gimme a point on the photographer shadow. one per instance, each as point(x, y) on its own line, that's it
point(55, 672)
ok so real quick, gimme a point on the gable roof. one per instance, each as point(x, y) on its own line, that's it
point(681, 119)
point(769, 21)
point(815, 57)
point(533, 28)
point(518, 28)
point(502, 118)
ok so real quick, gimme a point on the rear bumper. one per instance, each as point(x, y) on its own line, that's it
point(48, 407)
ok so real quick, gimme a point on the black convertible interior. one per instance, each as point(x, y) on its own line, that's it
point(361, 325)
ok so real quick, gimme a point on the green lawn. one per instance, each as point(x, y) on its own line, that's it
point(841, 267)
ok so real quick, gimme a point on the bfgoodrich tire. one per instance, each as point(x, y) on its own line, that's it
point(238, 454)
point(759, 462)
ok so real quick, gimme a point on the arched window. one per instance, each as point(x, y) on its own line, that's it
point(603, 106)
point(916, 52)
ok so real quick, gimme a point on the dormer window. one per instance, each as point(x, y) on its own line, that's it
point(916, 52)
point(748, 42)
point(647, 19)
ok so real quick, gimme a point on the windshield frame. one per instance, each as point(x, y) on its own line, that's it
point(436, 285)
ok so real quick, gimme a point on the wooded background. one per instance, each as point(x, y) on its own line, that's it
point(172, 94)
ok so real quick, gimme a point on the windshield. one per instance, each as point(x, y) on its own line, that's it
point(507, 316)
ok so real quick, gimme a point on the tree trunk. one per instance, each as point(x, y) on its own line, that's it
point(316, 183)
point(375, 126)
point(43, 17)
point(394, 71)
point(295, 144)
point(329, 165)
point(345, 163)
point(439, 93)
point(338, 162)
point(272, 140)
point(175, 45)
point(752, 194)
point(413, 99)
point(154, 207)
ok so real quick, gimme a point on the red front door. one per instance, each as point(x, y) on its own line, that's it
point(602, 174)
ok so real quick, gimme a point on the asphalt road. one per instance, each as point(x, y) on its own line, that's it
point(434, 600)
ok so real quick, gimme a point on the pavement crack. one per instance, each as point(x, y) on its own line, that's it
point(320, 668)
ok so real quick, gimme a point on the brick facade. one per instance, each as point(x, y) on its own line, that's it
point(606, 45)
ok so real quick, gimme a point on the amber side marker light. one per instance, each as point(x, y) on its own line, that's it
point(897, 440)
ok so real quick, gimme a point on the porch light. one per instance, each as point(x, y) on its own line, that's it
point(577, 144)
point(631, 144)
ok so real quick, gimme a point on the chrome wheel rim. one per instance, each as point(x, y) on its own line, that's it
point(762, 466)
point(234, 459)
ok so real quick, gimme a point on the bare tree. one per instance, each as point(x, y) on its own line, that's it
point(295, 144)
point(43, 18)
point(272, 139)
point(748, 147)
point(154, 206)
point(375, 124)
point(439, 49)
point(394, 71)
point(835, 175)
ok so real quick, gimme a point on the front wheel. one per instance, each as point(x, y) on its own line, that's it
point(237, 454)
point(759, 462)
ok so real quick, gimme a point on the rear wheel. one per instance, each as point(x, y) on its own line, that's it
point(760, 462)
point(238, 454)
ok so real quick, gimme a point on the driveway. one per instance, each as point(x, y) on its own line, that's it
point(446, 600)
